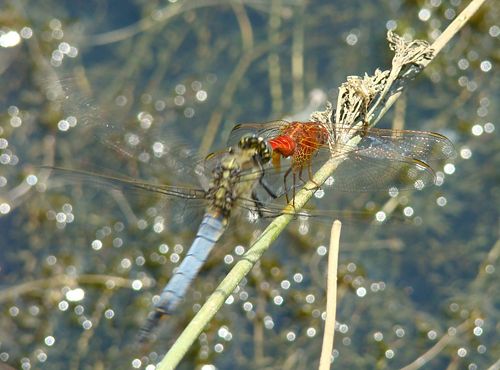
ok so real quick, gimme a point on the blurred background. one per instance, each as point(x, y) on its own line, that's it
point(80, 262)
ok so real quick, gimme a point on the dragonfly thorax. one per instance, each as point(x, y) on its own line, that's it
point(226, 185)
point(258, 145)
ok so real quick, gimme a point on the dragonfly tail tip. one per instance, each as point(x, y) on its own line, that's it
point(152, 322)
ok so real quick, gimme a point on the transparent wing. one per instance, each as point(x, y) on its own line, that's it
point(315, 210)
point(142, 147)
point(265, 130)
point(174, 204)
point(121, 183)
point(134, 156)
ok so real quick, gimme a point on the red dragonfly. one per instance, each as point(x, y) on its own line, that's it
point(383, 159)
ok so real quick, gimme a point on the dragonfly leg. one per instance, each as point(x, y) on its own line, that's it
point(284, 181)
point(310, 174)
point(262, 182)
point(266, 187)
point(258, 204)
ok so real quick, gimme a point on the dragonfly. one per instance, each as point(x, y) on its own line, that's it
point(383, 159)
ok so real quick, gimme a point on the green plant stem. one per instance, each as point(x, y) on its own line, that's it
point(331, 297)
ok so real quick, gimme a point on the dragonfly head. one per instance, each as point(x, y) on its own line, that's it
point(258, 144)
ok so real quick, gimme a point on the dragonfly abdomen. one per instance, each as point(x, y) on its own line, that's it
point(209, 232)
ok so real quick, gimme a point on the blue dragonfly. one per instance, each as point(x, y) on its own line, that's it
point(235, 174)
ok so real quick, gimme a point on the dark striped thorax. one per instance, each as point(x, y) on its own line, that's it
point(226, 185)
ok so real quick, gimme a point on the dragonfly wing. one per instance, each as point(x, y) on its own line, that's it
point(142, 148)
point(423, 145)
point(360, 172)
point(120, 182)
point(265, 130)
point(372, 166)
point(387, 159)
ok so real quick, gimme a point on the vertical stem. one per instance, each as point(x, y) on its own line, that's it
point(331, 298)
point(398, 123)
point(298, 57)
point(274, 59)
